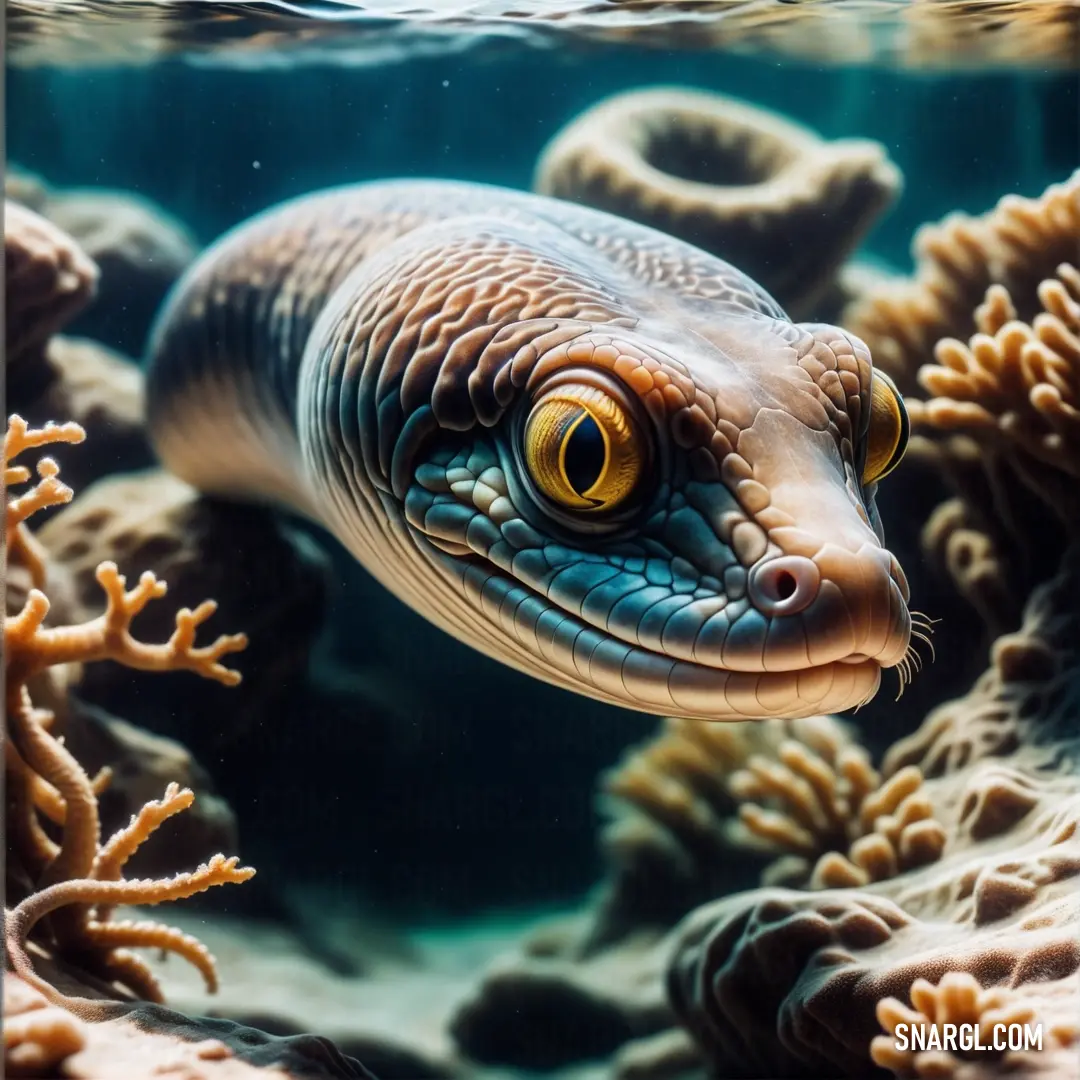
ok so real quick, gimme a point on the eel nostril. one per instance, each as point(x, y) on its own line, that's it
point(784, 585)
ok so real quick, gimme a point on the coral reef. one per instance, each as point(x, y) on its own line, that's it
point(778, 899)
point(1016, 245)
point(957, 1000)
point(139, 249)
point(690, 809)
point(988, 327)
point(782, 204)
point(79, 880)
point(776, 982)
point(48, 278)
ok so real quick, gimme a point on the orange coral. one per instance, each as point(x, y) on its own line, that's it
point(938, 1013)
point(78, 880)
point(1017, 383)
point(842, 824)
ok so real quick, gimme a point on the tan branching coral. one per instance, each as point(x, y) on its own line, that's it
point(684, 803)
point(958, 1021)
point(672, 817)
point(768, 195)
point(77, 880)
point(841, 823)
point(1015, 387)
point(1016, 245)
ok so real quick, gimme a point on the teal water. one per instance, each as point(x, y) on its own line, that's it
point(400, 769)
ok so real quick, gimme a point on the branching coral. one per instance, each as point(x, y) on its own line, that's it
point(1015, 387)
point(78, 879)
point(1016, 245)
point(686, 803)
point(957, 1021)
point(842, 823)
point(1001, 904)
point(990, 328)
point(768, 195)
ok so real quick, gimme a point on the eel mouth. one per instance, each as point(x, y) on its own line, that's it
point(521, 627)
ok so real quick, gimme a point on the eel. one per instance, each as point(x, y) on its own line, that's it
point(587, 449)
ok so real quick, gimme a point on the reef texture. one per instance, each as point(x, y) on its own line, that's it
point(1016, 246)
point(989, 328)
point(48, 278)
point(777, 982)
point(771, 197)
point(138, 247)
point(691, 802)
point(78, 880)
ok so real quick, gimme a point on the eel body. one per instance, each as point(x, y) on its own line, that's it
point(583, 447)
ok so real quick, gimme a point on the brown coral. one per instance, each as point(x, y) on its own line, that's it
point(841, 822)
point(672, 819)
point(78, 880)
point(684, 803)
point(1016, 245)
point(995, 303)
point(1001, 904)
point(770, 196)
point(48, 279)
point(38, 1036)
point(1015, 387)
point(958, 1022)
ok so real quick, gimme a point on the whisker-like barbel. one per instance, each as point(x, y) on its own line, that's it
point(587, 449)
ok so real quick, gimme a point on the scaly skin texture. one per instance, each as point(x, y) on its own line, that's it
point(368, 356)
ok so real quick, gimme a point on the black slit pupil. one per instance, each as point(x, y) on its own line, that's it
point(585, 455)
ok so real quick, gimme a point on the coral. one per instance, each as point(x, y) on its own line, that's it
point(153, 522)
point(78, 880)
point(1015, 388)
point(48, 279)
point(782, 983)
point(139, 249)
point(38, 1036)
point(840, 821)
point(670, 811)
point(1016, 245)
point(988, 327)
point(689, 801)
point(771, 197)
point(957, 1000)
point(142, 764)
point(147, 1042)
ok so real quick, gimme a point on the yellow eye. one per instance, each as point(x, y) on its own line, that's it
point(887, 438)
point(582, 449)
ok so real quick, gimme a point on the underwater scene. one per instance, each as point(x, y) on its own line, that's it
point(543, 539)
